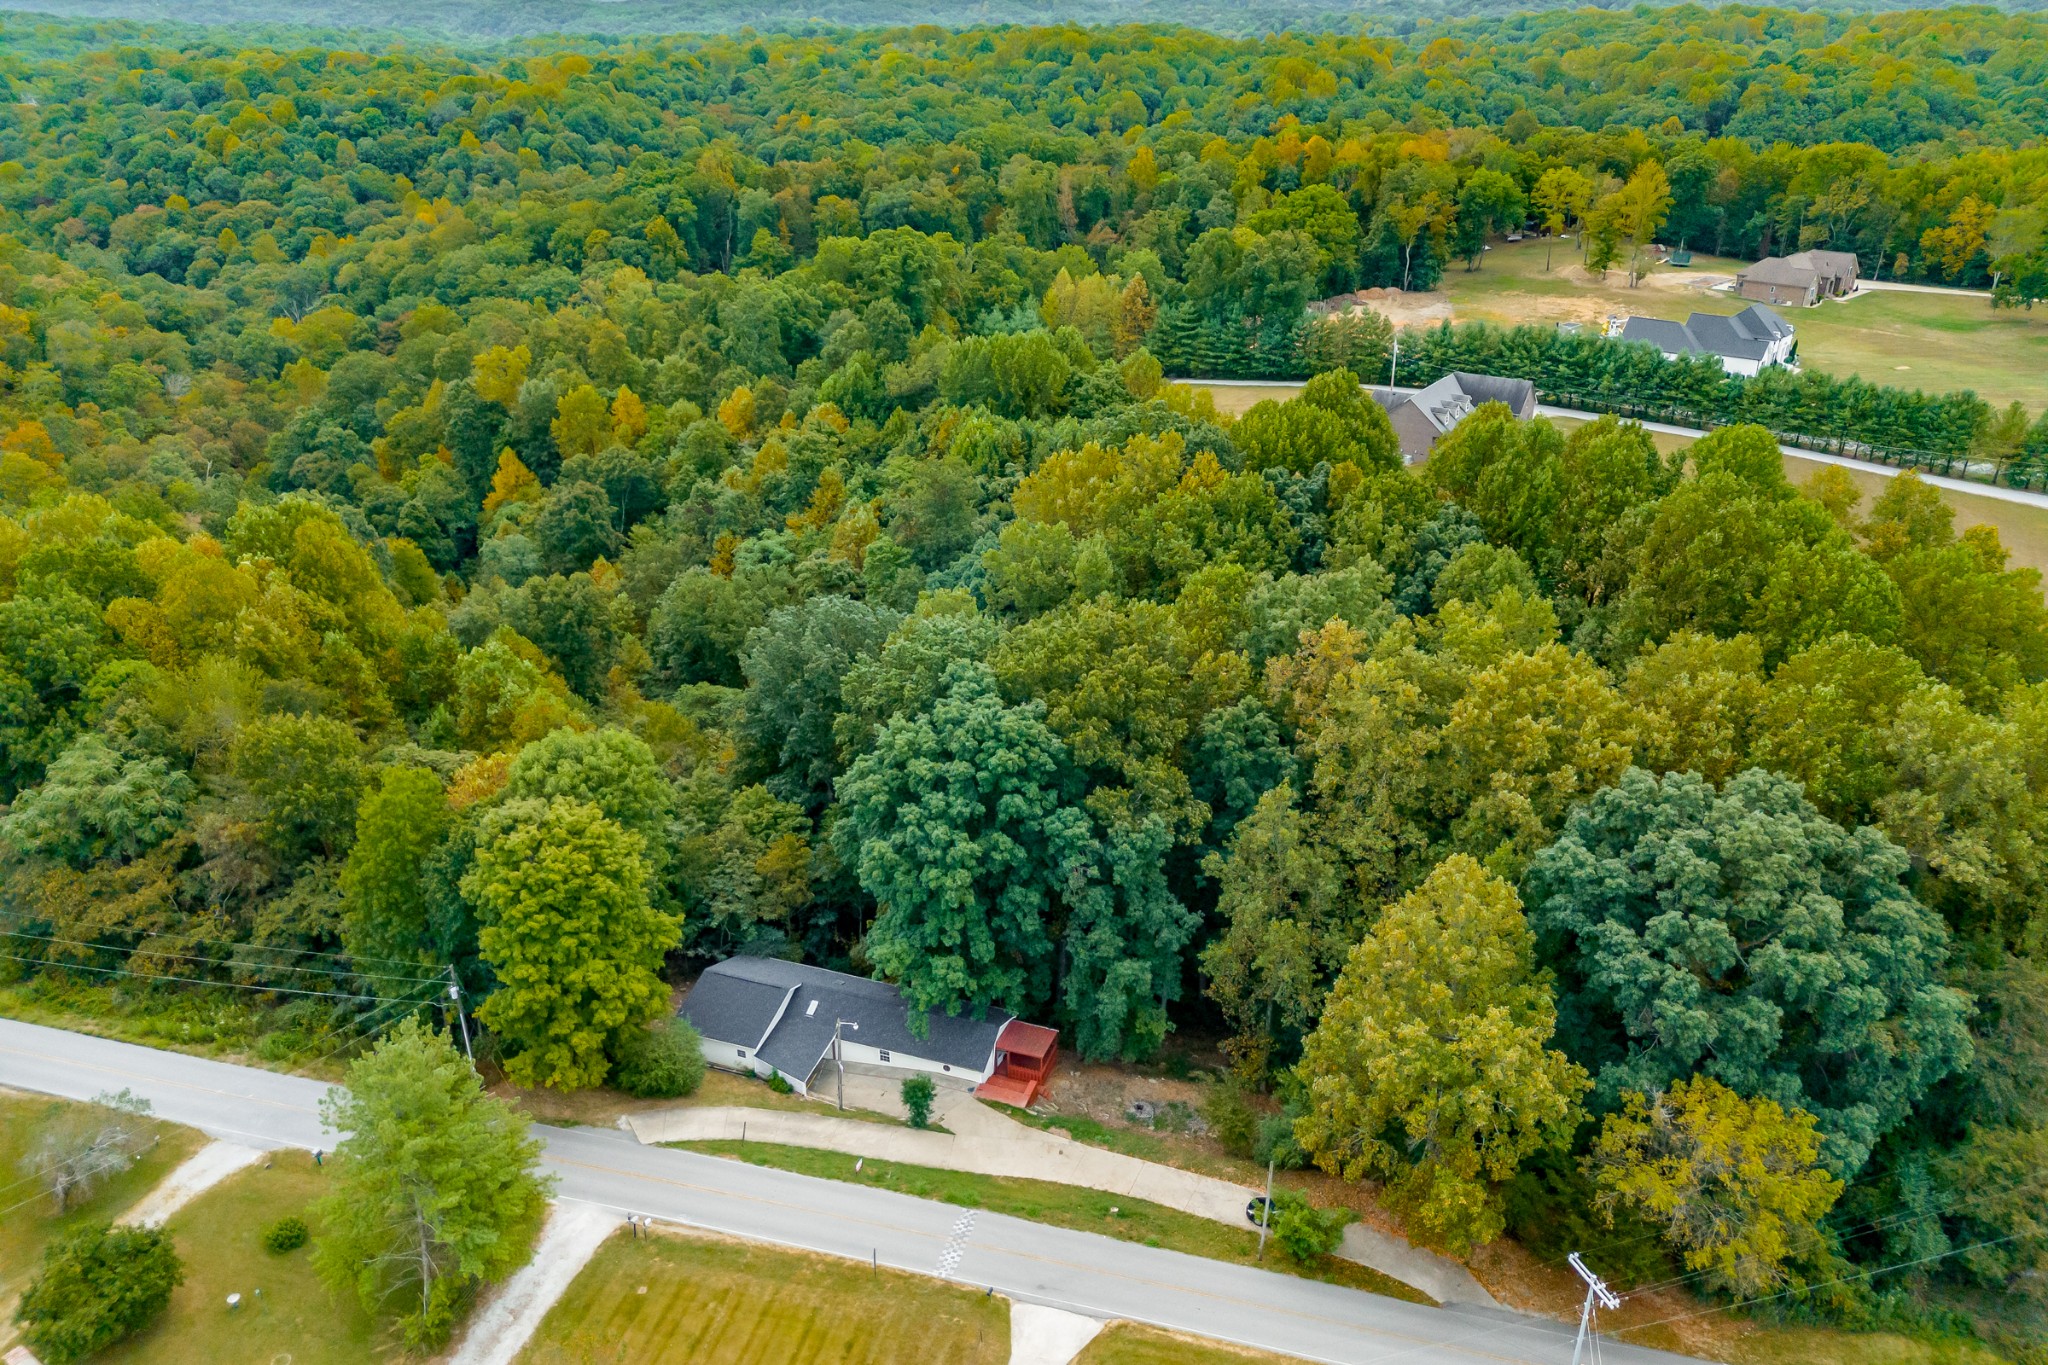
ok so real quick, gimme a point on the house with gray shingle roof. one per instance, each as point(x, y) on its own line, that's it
point(1802, 279)
point(1746, 343)
point(770, 1017)
point(1421, 418)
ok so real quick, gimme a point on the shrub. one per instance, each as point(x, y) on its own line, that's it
point(97, 1286)
point(1232, 1118)
point(779, 1083)
point(1304, 1231)
point(1275, 1142)
point(661, 1063)
point(918, 1094)
point(286, 1234)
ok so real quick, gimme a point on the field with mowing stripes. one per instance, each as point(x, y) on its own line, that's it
point(681, 1300)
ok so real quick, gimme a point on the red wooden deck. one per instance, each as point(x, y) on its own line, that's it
point(1015, 1091)
point(1025, 1054)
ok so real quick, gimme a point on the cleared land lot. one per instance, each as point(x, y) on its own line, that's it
point(1934, 342)
point(681, 1300)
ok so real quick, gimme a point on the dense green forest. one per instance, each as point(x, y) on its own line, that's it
point(568, 513)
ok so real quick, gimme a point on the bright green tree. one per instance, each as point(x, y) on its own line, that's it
point(570, 936)
point(398, 828)
point(1741, 934)
point(97, 1286)
point(97, 803)
point(1287, 928)
point(962, 824)
point(434, 1189)
point(305, 775)
point(1430, 1068)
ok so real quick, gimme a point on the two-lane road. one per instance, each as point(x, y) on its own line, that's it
point(1079, 1271)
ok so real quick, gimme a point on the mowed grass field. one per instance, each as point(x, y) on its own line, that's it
point(1935, 342)
point(682, 1300)
point(31, 1222)
point(1127, 1343)
point(286, 1315)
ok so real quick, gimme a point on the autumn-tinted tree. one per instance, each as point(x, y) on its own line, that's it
point(1430, 1068)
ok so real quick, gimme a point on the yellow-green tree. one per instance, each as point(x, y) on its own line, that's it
point(1430, 1068)
point(570, 935)
point(1735, 1184)
point(1560, 198)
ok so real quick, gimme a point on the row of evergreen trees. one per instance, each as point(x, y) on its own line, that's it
point(1957, 433)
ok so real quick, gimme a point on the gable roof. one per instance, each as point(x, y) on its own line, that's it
point(1455, 396)
point(731, 1004)
point(1834, 264)
point(1780, 270)
point(1761, 321)
point(1518, 394)
point(1672, 338)
point(1748, 335)
point(1443, 404)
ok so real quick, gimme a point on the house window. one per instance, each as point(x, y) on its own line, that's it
point(885, 1056)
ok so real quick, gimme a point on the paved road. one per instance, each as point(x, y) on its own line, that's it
point(1893, 287)
point(1077, 1271)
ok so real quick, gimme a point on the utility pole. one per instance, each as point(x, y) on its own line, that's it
point(1266, 1212)
point(1597, 1295)
point(839, 1058)
point(1394, 362)
point(455, 1003)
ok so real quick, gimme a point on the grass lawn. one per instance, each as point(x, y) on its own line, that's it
point(1127, 1343)
point(1935, 342)
point(294, 1318)
point(1066, 1206)
point(27, 1229)
point(683, 1300)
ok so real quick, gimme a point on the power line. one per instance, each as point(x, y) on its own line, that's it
point(1881, 1222)
point(1825, 1284)
point(300, 952)
point(188, 980)
point(216, 961)
point(358, 1023)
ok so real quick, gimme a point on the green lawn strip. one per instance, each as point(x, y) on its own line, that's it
point(1066, 1206)
point(687, 1300)
point(1128, 1343)
point(27, 1229)
point(294, 1316)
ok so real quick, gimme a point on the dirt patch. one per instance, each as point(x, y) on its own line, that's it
point(1108, 1095)
point(1421, 308)
point(1685, 280)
